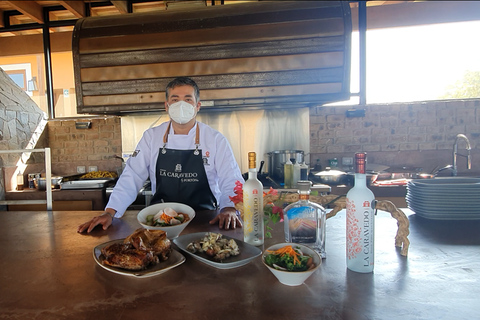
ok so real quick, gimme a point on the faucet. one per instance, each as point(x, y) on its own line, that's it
point(455, 153)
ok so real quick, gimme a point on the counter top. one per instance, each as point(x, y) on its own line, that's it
point(48, 272)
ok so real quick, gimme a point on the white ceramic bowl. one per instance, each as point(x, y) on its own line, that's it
point(172, 231)
point(293, 278)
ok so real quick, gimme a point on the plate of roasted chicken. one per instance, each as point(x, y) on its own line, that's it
point(217, 250)
point(144, 253)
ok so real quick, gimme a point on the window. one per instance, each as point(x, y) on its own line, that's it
point(19, 77)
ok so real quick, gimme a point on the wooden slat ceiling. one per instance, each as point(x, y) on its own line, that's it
point(381, 14)
point(20, 13)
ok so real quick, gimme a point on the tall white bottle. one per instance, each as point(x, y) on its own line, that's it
point(253, 232)
point(360, 221)
point(296, 174)
point(288, 174)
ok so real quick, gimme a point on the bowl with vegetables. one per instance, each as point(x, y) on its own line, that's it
point(291, 263)
point(171, 217)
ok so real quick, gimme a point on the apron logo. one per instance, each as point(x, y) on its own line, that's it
point(135, 153)
point(205, 159)
point(178, 167)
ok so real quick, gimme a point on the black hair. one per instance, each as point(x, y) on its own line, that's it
point(183, 81)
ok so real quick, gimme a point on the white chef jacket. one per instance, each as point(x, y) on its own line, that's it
point(220, 165)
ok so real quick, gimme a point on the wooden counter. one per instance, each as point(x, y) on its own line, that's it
point(65, 200)
point(48, 272)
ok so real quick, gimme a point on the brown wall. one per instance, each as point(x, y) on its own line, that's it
point(96, 146)
point(419, 134)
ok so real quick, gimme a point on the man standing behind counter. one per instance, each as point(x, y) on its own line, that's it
point(187, 162)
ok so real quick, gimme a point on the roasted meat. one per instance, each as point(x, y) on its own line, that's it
point(139, 250)
point(154, 240)
point(126, 256)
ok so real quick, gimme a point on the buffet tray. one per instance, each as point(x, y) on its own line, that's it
point(86, 184)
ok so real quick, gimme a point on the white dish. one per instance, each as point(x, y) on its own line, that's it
point(293, 278)
point(172, 231)
point(247, 252)
point(175, 259)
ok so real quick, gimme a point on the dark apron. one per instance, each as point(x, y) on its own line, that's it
point(181, 177)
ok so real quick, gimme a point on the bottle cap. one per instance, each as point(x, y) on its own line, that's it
point(304, 185)
point(252, 160)
point(360, 162)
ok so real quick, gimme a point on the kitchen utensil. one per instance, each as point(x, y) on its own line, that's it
point(331, 177)
point(277, 159)
point(40, 183)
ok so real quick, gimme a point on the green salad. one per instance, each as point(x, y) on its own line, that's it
point(289, 258)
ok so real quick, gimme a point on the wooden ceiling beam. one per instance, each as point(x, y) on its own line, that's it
point(2, 22)
point(121, 5)
point(29, 8)
point(75, 7)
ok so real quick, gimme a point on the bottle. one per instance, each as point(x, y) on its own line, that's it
point(288, 174)
point(360, 221)
point(253, 205)
point(303, 171)
point(318, 166)
point(304, 221)
point(296, 174)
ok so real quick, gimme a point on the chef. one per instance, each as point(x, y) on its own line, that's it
point(187, 162)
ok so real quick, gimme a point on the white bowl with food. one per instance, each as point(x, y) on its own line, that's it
point(171, 217)
point(291, 263)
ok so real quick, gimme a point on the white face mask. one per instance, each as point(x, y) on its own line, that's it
point(181, 112)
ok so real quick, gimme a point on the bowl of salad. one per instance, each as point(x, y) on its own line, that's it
point(171, 217)
point(291, 263)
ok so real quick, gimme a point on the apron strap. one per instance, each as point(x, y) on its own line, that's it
point(197, 139)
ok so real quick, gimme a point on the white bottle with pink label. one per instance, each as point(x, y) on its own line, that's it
point(360, 221)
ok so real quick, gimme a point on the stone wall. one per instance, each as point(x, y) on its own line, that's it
point(419, 134)
point(21, 127)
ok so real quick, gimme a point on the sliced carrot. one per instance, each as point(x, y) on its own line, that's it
point(287, 250)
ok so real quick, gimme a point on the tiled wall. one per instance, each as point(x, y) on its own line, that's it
point(417, 134)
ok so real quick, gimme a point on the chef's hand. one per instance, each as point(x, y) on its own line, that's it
point(105, 220)
point(227, 219)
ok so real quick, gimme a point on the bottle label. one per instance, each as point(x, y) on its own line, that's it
point(302, 225)
point(359, 231)
point(252, 214)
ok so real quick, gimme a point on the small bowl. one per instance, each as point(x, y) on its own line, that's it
point(291, 278)
point(172, 231)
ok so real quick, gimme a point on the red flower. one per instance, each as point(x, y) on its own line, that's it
point(238, 190)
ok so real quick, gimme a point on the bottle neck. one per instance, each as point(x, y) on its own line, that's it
point(304, 196)
point(360, 179)
point(252, 173)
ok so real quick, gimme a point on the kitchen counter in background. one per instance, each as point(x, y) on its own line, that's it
point(65, 200)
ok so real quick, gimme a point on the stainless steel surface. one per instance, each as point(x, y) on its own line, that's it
point(331, 177)
point(41, 183)
point(48, 272)
point(86, 184)
point(455, 153)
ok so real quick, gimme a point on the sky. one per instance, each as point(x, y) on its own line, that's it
point(417, 63)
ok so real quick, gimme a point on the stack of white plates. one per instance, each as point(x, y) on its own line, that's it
point(452, 198)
